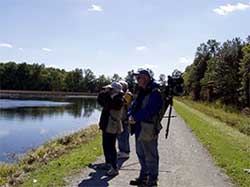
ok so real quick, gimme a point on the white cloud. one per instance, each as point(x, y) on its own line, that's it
point(46, 49)
point(95, 8)
point(184, 60)
point(21, 49)
point(145, 66)
point(225, 9)
point(6, 45)
point(141, 48)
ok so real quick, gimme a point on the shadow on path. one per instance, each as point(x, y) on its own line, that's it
point(98, 177)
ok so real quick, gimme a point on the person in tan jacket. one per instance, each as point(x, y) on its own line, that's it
point(111, 99)
point(123, 138)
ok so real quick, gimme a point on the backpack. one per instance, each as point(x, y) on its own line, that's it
point(127, 98)
point(166, 101)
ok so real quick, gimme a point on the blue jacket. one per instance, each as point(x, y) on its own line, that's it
point(150, 110)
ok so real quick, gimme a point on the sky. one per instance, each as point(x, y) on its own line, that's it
point(116, 36)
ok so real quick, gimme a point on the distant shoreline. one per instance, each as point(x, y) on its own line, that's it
point(30, 93)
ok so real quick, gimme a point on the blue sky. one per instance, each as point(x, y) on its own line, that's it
point(115, 36)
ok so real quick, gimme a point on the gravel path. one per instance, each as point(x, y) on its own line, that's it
point(183, 163)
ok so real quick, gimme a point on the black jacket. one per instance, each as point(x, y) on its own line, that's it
point(104, 99)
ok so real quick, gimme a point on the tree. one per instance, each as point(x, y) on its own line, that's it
point(23, 77)
point(228, 78)
point(88, 80)
point(248, 39)
point(101, 81)
point(8, 76)
point(245, 80)
point(197, 70)
point(130, 79)
point(74, 80)
point(35, 76)
point(116, 78)
point(162, 79)
point(212, 75)
point(187, 80)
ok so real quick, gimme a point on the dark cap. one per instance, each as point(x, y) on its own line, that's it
point(147, 72)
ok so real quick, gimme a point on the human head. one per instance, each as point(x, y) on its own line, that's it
point(114, 87)
point(144, 76)
point(124, 85)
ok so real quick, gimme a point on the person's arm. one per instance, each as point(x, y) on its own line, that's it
point(104, 99)
point(117, 102)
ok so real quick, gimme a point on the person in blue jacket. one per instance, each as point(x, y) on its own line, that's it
point(145, 124)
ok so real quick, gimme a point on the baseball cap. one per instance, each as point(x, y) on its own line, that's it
point(147, 72)
point(116, 86)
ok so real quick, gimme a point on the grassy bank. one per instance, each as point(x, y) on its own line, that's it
point(50, 163)
point(234, 119)
point(229, 147)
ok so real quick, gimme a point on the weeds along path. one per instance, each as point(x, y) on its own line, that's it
point(183, 162)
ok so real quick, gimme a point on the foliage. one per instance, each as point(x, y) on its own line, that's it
point(220, 72)
point(245, 79)
point(23, 76)
point(130, 79)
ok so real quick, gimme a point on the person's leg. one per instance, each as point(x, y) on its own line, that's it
point(112, 148)
point(143, 176)
point(123, 140)
point(105, 146)
point(152, 159)
point(142, 158)
point(113, 155)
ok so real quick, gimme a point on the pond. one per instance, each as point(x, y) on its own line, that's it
point(28, 123)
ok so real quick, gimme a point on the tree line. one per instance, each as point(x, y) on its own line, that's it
point(37, 77)
point(23, 76)
point(220, 72)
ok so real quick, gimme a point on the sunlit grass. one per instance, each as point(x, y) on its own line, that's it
point(225, 114)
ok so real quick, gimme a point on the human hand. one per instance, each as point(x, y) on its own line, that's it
point(131, 120)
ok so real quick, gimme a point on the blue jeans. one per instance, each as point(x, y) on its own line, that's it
point(147, 152)
point(123, 140)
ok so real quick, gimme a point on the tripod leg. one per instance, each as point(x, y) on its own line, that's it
point(168, 124)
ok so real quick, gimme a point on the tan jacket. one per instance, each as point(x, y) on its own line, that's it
point(115, 122)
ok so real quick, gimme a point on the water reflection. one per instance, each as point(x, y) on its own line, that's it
point(77, 107)
point(25, 127)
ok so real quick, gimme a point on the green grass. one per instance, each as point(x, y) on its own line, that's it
point(227, 115)
point(229, 148)
point(5, 171)
point(54, 173)
point(52, 162)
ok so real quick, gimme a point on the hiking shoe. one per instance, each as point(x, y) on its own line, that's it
point(104, 166)
point(121, 155)
point(112, 172)
point(153, 183)
point(139, 181)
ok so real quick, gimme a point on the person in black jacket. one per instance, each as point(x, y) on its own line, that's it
point(111, 99)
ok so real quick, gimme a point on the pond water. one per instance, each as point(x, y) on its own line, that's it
point(28, 123)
